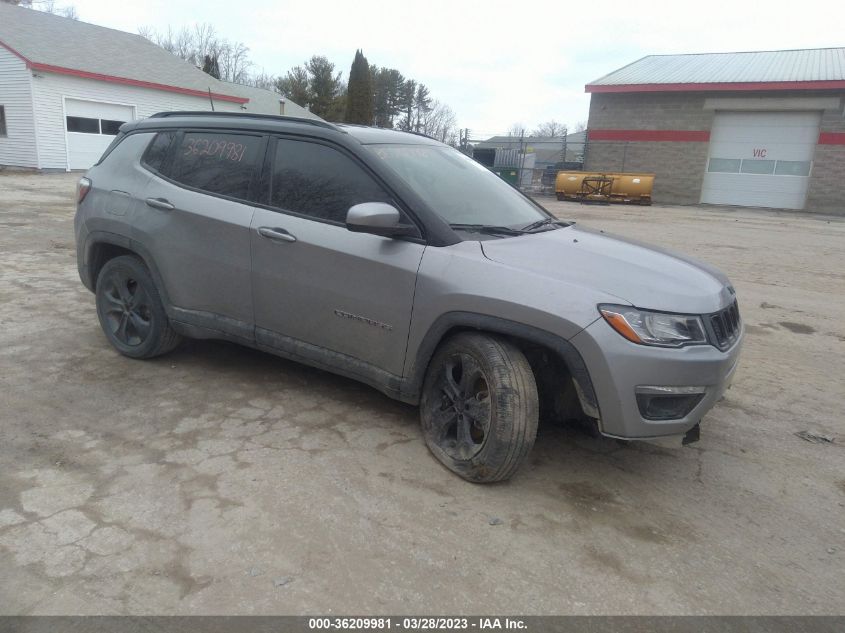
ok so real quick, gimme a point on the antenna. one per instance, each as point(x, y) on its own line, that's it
point(210, 99)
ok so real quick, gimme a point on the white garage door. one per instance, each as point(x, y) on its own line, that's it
point(91, 126)
point(761, 159)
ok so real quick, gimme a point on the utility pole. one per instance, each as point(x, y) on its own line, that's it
point(464, 140)
point(565, 135)
point(521, 158)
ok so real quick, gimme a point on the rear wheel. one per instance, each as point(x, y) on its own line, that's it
point(130, 310)
point(479, 407)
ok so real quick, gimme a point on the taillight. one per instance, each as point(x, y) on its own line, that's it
point(82, 189)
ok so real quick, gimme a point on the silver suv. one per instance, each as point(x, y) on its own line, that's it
point(395, 260)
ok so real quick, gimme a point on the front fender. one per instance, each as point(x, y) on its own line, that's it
point(412, 384)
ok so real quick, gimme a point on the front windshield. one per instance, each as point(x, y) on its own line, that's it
point(459, 189)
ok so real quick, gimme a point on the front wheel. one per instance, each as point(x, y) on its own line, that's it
point(479, 407)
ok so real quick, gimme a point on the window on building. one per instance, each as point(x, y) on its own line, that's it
point(792, 168)
point(218, 163)
point(319, 181)
point(110, 127)
point(724, 165)
point(87, 125)
point(83, 125)
point(3, 120)
point(765, 167)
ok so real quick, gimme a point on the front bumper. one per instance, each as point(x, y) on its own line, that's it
point(617, 367)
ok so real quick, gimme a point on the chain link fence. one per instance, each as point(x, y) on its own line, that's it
point(529, 163)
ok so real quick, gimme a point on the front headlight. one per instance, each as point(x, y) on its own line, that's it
point(655, 328)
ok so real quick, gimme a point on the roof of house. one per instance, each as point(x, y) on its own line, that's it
point(52, 43)
point(266, 101)
point(818, 68)
point(530, 141)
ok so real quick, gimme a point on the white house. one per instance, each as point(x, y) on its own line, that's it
point(66, 86)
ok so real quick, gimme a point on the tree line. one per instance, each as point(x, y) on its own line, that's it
point(548, 129)
point(372, 95)
point(47, 6)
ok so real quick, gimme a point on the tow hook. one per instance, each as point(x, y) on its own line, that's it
point(693, 435)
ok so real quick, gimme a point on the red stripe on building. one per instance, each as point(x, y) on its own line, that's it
point(683, 136)
point(133, 82)
point(751, 86)
point(832, 138)
point(14, 52)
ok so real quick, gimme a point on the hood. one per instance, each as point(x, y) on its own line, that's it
point(644, 276)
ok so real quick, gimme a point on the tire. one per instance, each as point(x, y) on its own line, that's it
point(130, 310)
point(561, 197)
point(479, 407)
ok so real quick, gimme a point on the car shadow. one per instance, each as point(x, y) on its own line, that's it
point(562, 450)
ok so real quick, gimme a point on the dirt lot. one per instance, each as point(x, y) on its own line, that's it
point(223, 480)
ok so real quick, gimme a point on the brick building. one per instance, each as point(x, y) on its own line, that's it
point(758, 129)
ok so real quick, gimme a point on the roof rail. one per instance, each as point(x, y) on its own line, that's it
point(375, 127)
point(271, 117)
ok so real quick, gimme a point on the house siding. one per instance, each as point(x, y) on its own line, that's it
point(49, 90)
point(17, 148)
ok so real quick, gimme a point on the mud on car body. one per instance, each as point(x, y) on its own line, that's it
point(396, 260)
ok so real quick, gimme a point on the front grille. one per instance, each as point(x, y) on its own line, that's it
point(726, 326)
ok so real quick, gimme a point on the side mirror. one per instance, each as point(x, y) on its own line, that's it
point(378, 218)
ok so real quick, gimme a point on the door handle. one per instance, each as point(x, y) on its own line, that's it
point(160, 203)
point(276, 233)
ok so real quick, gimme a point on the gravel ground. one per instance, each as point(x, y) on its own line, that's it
point(223, 480)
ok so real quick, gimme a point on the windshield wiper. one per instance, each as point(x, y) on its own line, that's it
point(488, 229)
point(538, 224)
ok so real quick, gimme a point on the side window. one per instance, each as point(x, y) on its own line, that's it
point(319, 181)
point(217, 162)
point(156, 155)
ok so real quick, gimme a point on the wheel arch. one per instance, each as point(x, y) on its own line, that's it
point(522, 335)
point(101, 246)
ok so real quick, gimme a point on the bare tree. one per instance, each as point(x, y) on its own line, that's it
point(440, 123)
point(516, 129)
point(234, 62)
point(262, 80)
point(550, 128)
point(49, 6)
point(580, 126)
point(200, 42)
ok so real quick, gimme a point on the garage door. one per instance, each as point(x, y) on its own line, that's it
point(761, 159)
point(91, 126)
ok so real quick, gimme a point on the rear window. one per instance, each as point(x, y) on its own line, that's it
point(156, 155)
point(220, 163)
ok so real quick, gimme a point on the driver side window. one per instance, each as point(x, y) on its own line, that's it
point(318, 181)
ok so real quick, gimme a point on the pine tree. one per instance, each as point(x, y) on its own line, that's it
point(295, 86)
point(359, 94)
point(211, 66)
point(326, 88)
point(422, 103)
point(409, 90)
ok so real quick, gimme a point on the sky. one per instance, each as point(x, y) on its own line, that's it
point(494, 63)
